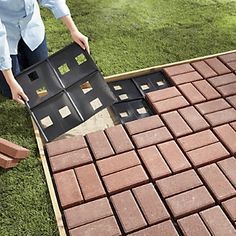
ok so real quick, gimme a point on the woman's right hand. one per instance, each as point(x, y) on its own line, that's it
point(18, 93)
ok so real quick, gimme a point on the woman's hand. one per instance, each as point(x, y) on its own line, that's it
point(18, 93)
point(81, 39)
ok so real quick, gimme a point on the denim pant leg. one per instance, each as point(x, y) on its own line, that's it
point(4, 87)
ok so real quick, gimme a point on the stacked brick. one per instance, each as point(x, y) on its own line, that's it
point(173, 173)
point(11, 154)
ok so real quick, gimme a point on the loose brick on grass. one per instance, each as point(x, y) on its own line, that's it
point(222, 80)
point(217, 182)
point(206, 89)
point(118, 162)
point(165, 228)
point(186, 78)
point(197, 140)
point(228, 166)
point(65, 145)
point(232, 100)
point(190, 202)
point(119, 139)
point(104, 227)
point(70, 160)
point(227, 136)
point(145, 124)
point(174, 156)
point(217, 66)
point(203, 68)
point(178, 69)
point(193, 226)
point(227, 90)
point(230, 207)
point(90, 182)
point(217, 222)
point(128, 211)
point(151, 204)
point(13, 150)
point(125, 179)
point(87, 213)
point(178, 183)
point(193, 119)
point(212, 106)
point(151, 137)
point(176, 124)
point(7, 162)
point(191, 93)
point(68, 189)
point(154, 162)
point(99, 144)
point(221, 117)
point(208, 154)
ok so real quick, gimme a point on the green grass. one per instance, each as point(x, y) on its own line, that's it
point(124, 35)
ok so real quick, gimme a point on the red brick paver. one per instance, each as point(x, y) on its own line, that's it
point(7, 162)
point(230, 208)
point(204, 69)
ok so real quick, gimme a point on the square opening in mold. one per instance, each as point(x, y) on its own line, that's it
point(160, 83)
point(64, 112)
point(117, 87)
point(96, 103)
point(42, 92)
point(86, 87)
point(63, 69)
point(144, 87)
point(142, 110)
point(33, 76)
point(80, 59)
point(124, 114)
point(46, 122)
point(123, 96)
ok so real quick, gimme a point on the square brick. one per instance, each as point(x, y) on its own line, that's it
point(154, 162)
point(128, 211)
point(203, 68)
point(217, 222)
point(178, 183)
point(217, 182)
point(190, 202)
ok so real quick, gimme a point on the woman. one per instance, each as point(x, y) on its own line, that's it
point(23, 41)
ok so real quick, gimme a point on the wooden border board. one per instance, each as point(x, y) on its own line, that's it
point(41, 144)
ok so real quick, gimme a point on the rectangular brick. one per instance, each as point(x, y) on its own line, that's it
point(233, 125)
point(212, 106)
point(125, 179)
point(191, 93)
point(186, 78)
point(217, 182)
point(166, 227)
point(174, 156)
point(87, 213)
point(65, 145)
point(178, 69)
point(232, 100)
point(151, 137)
point(222, 80)
point(90, 182)
point(227, 90)
point(193, 119)
point(228, 57)
point(7, 162)
point(118, 162)
point(221, 117)
point(68, 188)
point(128, 212)
point(230, 207)
point(206, 89)
point(13, 150)
point(154, 162)
point(119, 139)
point(176, 124)
point(178, 183)
point(205, 70)
point(217, 66)
point(197, 140)
point(70, 160)
point(193, 226)
point(145, 124)
point(107, 226)
point(227, 136)
point(154, 212)
point(228, 166)
point(232, 65)
point(190, 202)
point(99, 144)
point(170, 104)
point(207, 154)
point(217, 222)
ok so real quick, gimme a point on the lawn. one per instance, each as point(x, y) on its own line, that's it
point(124, 35)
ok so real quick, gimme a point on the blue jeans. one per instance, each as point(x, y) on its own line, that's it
point(23, 60)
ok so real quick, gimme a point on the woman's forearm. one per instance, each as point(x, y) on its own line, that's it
point(9, 77)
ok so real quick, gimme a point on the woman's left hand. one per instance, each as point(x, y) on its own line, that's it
point(81, 39)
